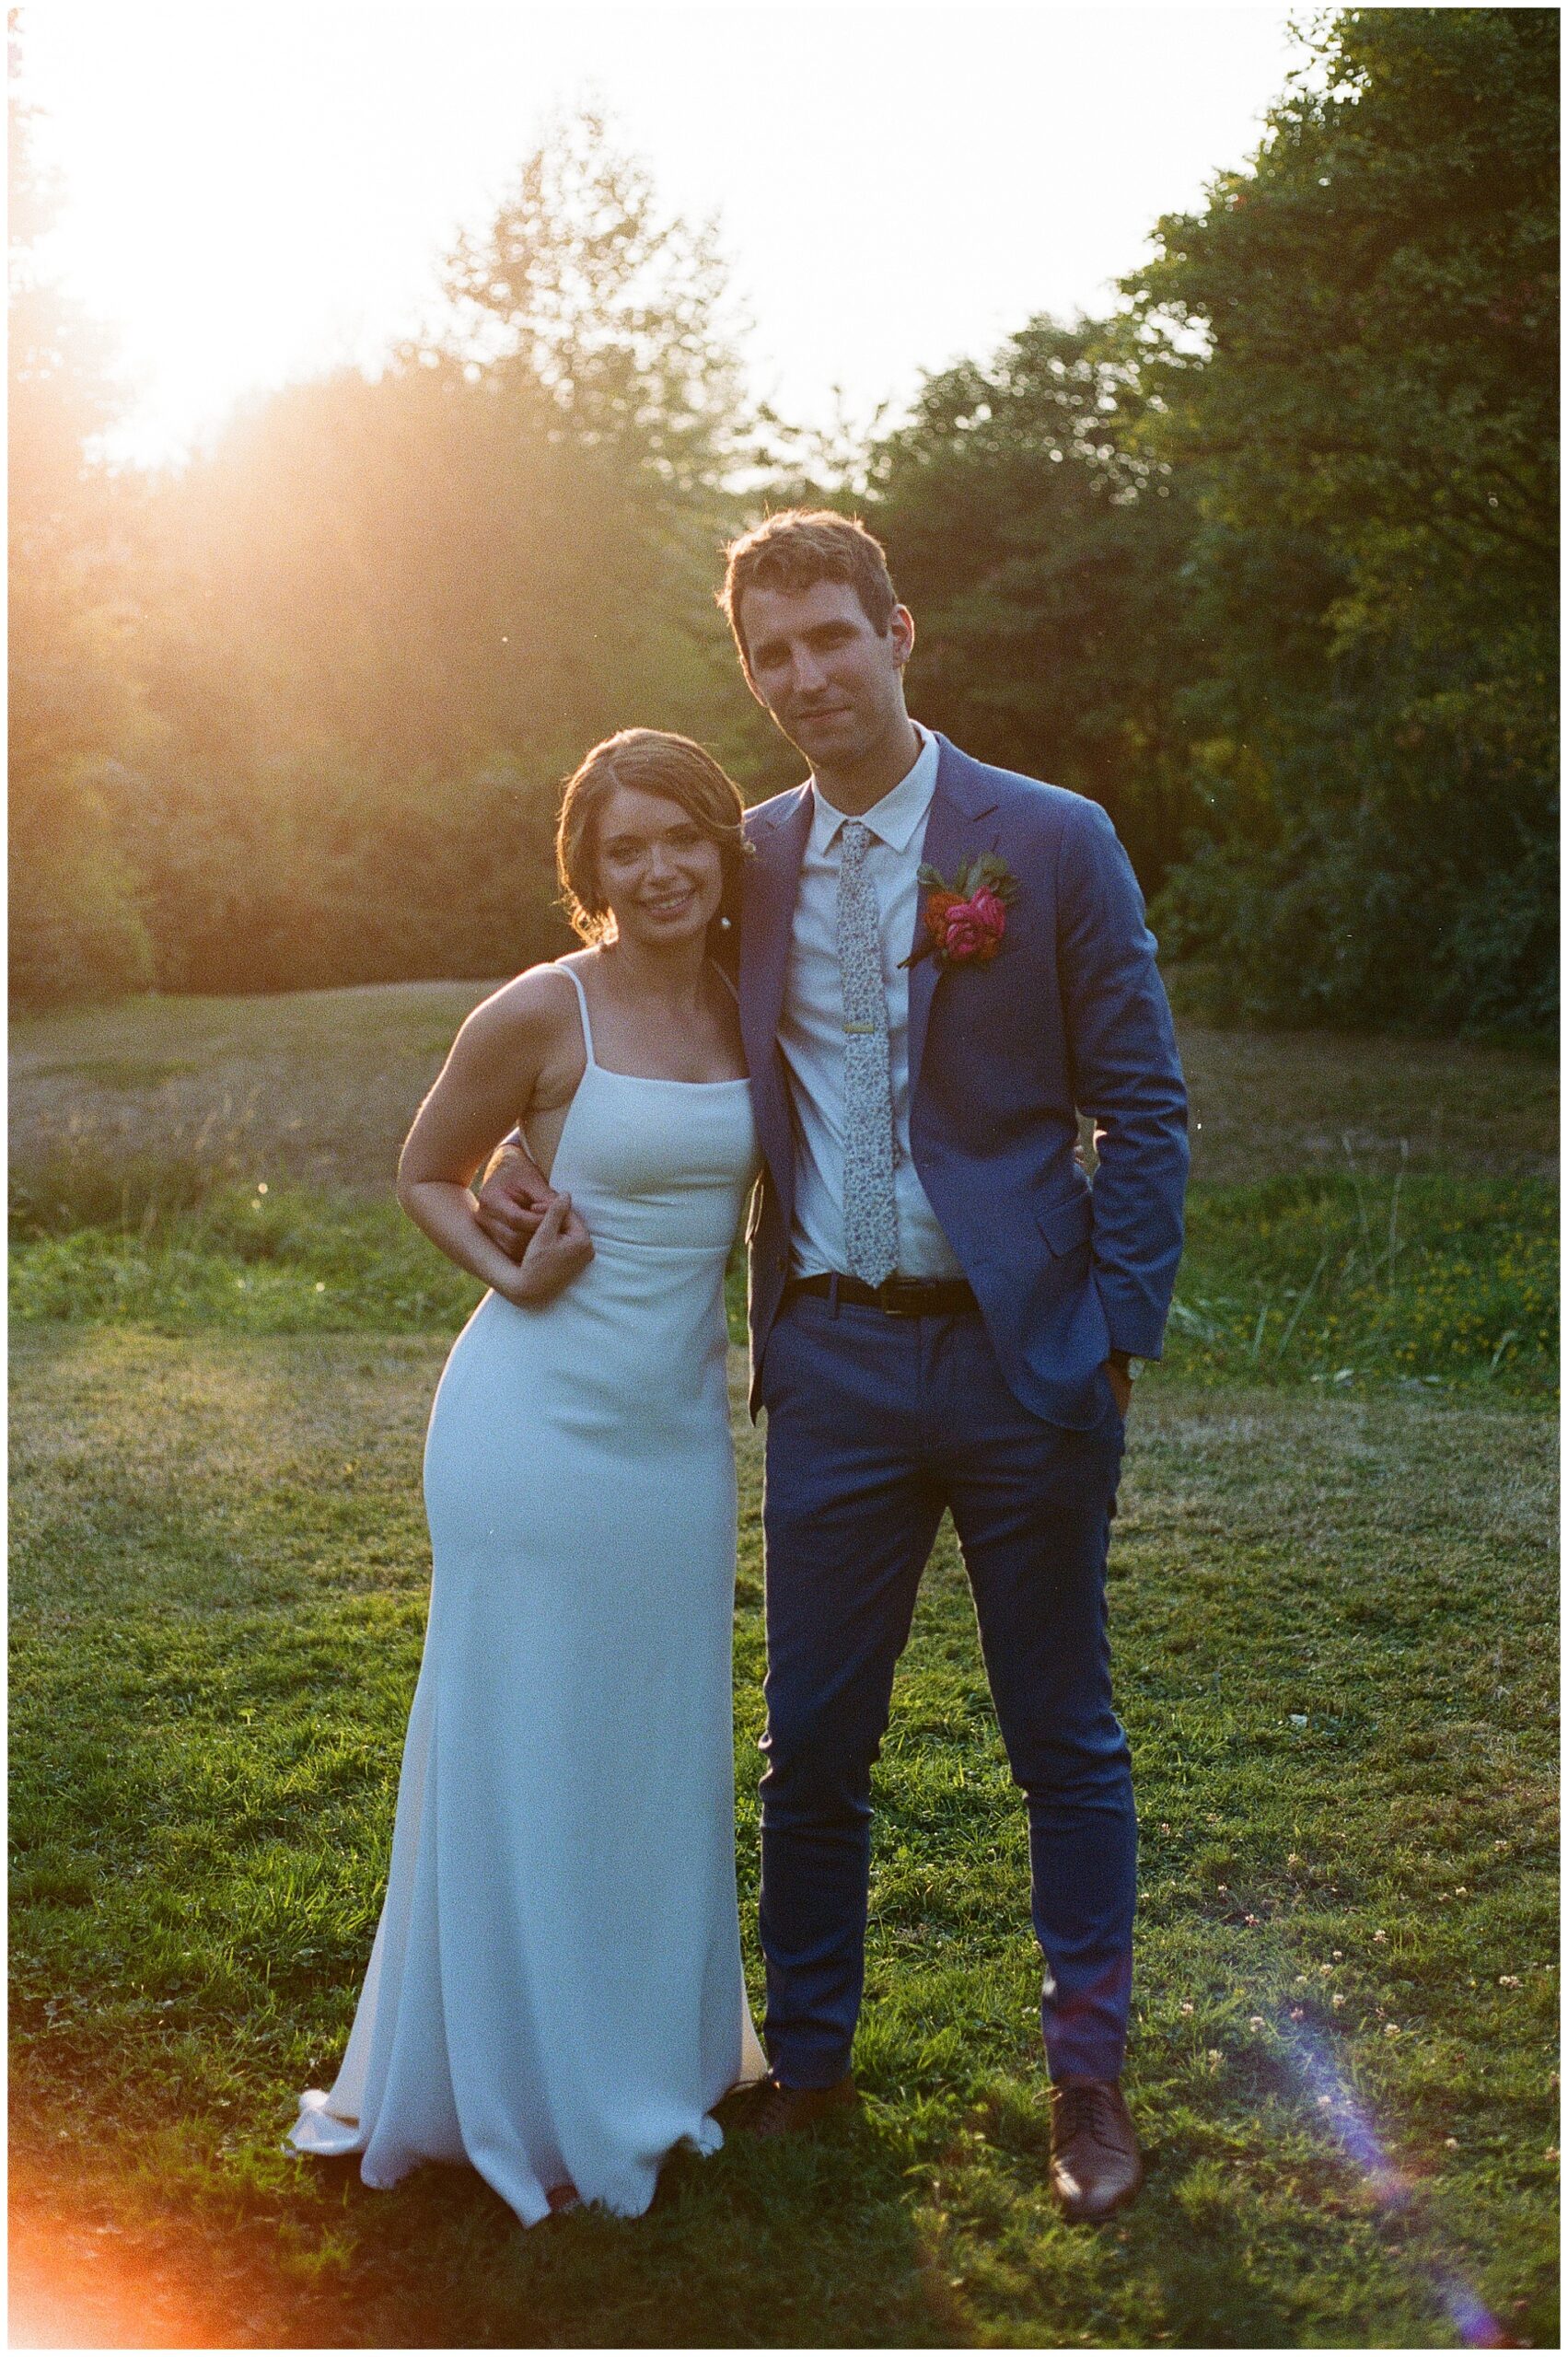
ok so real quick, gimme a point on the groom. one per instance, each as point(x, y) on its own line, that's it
point(941, 965)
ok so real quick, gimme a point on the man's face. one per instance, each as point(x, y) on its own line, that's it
point(832, 682)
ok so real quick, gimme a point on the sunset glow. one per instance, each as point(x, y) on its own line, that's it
point(250, 195)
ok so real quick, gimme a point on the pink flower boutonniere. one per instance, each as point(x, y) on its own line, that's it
point(965, 921)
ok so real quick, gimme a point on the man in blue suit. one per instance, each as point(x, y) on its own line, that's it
point(941, 965)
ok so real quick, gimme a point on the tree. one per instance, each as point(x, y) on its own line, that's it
point(385, 618)
point(76, 930)
point(609, 313)
point(1352, 353)
point(1041, 551)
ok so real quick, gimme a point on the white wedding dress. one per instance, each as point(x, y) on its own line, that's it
point(555, 1993)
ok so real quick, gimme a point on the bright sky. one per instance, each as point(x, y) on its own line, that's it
point(255, 192)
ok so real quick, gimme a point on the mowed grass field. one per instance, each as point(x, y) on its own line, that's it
point(1332, 1602)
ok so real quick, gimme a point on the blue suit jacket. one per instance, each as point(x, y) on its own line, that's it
point(1070, 1016)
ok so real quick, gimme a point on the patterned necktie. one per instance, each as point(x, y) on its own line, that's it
point(871, 1220)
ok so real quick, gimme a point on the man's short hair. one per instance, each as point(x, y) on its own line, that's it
point(794, 550)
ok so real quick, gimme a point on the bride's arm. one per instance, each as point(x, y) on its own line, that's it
point(493, 1070)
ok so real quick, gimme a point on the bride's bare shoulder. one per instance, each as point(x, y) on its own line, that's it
point(536, 1007)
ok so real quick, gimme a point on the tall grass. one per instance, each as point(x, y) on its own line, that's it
point(174, 1248)
point(79, 1185)
point(1337, 1279)
point(1349, 1278)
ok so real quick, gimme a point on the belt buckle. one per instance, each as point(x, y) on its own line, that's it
point(893, 1286)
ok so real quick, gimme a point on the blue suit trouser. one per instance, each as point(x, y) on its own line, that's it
point(875, 1425)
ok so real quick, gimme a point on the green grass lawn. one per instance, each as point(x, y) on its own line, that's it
point(1332, 1614)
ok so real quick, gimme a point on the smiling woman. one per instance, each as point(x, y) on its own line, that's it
point(650, 822)
point(555, 1991)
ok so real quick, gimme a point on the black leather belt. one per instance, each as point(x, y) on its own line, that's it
point(898, 1296)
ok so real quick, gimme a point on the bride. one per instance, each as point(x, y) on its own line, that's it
point(555, 1994)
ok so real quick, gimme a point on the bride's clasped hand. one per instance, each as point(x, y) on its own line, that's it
point(559, 1250)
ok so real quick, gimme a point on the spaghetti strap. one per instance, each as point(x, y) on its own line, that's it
point(572, 975)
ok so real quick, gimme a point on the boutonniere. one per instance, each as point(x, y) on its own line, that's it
point(965, 921)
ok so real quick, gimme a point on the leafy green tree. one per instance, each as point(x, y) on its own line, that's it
point(1351, 355)
point(1041, 551)
point(314, 874)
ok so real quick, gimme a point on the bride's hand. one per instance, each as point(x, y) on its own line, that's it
point(559, 1250)
point(512, 1200)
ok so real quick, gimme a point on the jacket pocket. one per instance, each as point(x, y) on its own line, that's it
point(1069, 1223)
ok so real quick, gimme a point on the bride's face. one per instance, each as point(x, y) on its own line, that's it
point(661, 876)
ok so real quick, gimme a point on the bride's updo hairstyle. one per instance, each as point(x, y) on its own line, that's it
point(655, 762)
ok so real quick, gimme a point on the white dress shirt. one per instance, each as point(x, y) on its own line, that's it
point(811, 1030)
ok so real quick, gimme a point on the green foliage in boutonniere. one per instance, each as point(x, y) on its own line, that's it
point(966, 920)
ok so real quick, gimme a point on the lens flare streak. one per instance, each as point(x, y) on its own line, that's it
point(1391, 2191)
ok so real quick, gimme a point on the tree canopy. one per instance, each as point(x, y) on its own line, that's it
point(1265, 561)
point(1042, 548)
point(1351, 355)
point(379, 621)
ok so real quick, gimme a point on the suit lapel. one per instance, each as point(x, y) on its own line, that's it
point(767, 920)
point(772, 880)
point(960, 826)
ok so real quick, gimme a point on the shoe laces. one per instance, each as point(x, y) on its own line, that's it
point(1088, 2107)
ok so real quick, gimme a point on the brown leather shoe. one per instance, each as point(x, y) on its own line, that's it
point(1096, 2166)
point(780, 2110)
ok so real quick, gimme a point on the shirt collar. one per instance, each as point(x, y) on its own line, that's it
point(894, 819)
